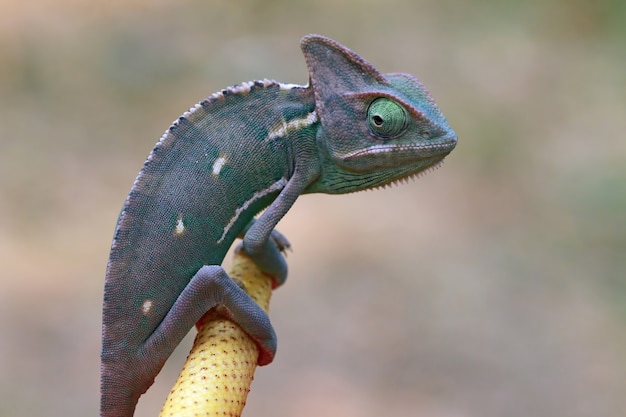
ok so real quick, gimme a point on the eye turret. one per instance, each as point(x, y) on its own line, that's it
point(387, 119)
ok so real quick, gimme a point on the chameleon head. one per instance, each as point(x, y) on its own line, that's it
point(375, 128)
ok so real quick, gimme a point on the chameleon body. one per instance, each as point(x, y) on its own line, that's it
point(252, 146)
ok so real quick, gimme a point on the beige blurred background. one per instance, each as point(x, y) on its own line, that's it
point(495, 286)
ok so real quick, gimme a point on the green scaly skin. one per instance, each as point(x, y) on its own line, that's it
point(243, 149)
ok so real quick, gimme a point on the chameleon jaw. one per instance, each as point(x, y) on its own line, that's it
point(388, 156)
point(424, 149)
point(404, 179)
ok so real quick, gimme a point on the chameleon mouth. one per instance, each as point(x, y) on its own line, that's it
point(423, 150)
point(411, 158)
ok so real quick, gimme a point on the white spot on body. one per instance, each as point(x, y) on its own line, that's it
point(277, 186)
point(294, 124)
point(180, 227)
point(218, 165)
point(146, 307)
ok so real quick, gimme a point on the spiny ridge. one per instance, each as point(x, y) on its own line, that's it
point(411, 177)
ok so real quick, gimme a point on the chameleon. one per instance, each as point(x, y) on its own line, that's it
point(253, 146)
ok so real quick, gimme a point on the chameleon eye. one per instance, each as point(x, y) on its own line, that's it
point(387, 118)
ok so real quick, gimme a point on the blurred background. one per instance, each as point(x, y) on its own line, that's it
point(495, 286)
